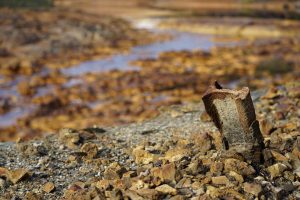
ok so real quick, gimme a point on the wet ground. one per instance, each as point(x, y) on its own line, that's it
point(121, 78)
point(178, 41)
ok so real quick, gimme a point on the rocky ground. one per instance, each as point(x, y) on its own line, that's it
point(177, 155)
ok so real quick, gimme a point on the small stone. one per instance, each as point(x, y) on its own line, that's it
point(69, 137)
point(266, 126)
point(148, 193)
point(114, 171)
point(103, 184)
point(177, 197)
point(90, 149)
point(166, 189)
point(49, 187)
point(133, 195)
point(202, 141)
point(18, 174)
point(212, 191)
point(32, 196)
point(220, 180)
point(238, 166)
point(236, 176)
point(176, 154)
point(279, 156)
point(143, 157)
point(276, 169)
point(252, 188)
point(216, 168)
point(166, 172)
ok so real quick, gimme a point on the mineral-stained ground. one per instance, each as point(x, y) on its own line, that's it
point(177, 155)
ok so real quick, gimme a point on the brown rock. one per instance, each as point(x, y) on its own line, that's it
point(148, 193)
point(176, 154)
point(166, 189)
point(216, 168)
point(202, 141)
point(236, 176)
point(276, 170)
point(102, 184)
point(279, 157)
point(165, 173)
point(90, 149)
point(252, 188)
point(143, 157)
point(32, 196)
point(49, 187)
point(220, 180)
point(133, 195)
point(18, 174)
point(266, 126)
point(69, 137)
point(177, 197)
point(238, 166)
point(114, 171)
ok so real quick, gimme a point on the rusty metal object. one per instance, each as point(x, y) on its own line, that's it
point(232, 111)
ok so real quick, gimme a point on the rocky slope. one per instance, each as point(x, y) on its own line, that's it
point(177, 155)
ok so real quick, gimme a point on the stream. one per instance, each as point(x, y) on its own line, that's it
point(121, 61)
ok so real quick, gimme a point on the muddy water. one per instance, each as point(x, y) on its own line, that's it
point(180, 41)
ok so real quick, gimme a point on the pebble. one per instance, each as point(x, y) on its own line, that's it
point(252, 188)
point(90, 149)
point(166, 189)
point(276, 170)
point(238, 166)
point(220, 180)
point(18, 174)
point(49, 187)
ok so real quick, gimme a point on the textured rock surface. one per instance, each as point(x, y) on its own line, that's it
point(181, 167)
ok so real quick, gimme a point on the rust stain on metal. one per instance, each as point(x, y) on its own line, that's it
point(233, 113)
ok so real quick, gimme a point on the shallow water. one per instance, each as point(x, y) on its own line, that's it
point(180, 41)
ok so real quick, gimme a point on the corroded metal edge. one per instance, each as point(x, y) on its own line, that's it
point(233, 113)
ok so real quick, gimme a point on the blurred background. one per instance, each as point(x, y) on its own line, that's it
point(79, 63)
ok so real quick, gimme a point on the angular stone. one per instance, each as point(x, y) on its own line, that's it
point(148, 193)
point(133, 195)
point(276, 170)
point(203, 141)
point(143, 157)
point(236, 176)
point(165, 173)
point(102, 184)
point(216, 168)
point(220, 180)
point(166, 189)
point(49, 187)
point(18, 174)
point(233, 113)
point(90, 149)
point(176, 154)
point(114, 171)
point(238, 166)
point(69, 137)
point(252, 188)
